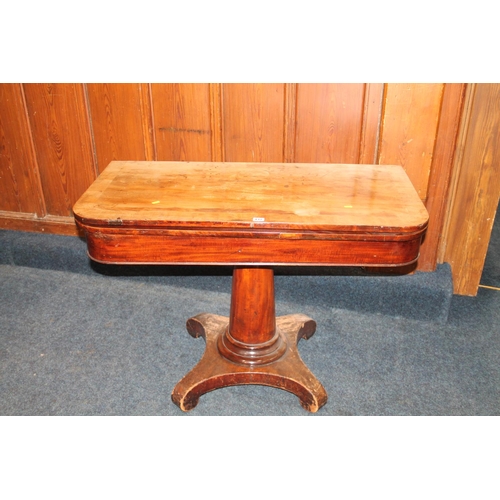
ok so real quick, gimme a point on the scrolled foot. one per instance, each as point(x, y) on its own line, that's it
point(198, 325)
point(185, 402)
point(297, 324)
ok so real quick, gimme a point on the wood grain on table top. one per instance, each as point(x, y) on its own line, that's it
point(308, 196)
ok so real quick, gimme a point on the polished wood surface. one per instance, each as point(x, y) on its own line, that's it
point(201, 212)
point(258, 310)
point(319, 197)
point(252, 215)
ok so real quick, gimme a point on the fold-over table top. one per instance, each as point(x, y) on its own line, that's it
point(263, 196)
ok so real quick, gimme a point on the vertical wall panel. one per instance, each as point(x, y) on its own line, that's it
point(372, 113)
point(59, 121)
point(253, 125)
point(329, 123)
point(20, 189)
point(290, 122)
point(476, 189)
point(182, 121)
point(409, 128)
point(216, 121)
point(120, 122)
point(441, 169)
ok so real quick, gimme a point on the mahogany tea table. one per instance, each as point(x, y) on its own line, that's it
point(252, 216)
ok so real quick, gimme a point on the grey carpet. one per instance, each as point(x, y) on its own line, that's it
point(81, 339)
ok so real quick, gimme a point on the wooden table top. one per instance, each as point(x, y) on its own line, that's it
point(267, 196)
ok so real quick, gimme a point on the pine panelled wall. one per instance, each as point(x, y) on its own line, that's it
point(56, 138)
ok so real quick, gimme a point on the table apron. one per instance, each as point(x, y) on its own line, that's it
point(143, 247)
